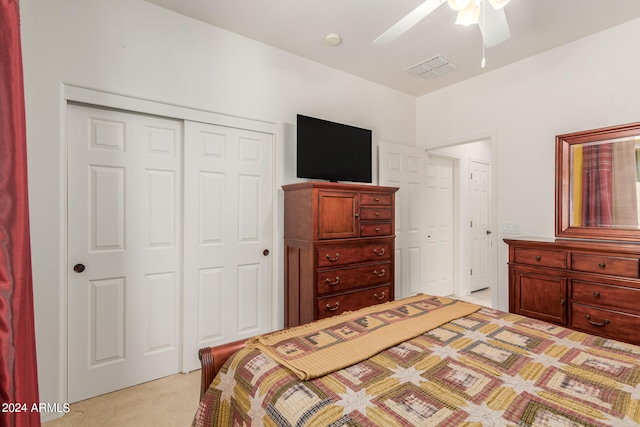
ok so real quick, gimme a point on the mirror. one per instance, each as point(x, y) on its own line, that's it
point(598, 182)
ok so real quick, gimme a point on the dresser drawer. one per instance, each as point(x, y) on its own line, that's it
point(330, 306)
point(343, 279)
point(376, 229)
point(539, 257)
point(606, 323)
point(611, 296)
point(338, 255)
point(375, 214)
point(375, 199)
point(615, 266)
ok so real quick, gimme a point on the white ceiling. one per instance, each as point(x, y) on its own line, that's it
point(299, 27)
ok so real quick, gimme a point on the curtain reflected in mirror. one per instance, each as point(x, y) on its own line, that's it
point(604, 184)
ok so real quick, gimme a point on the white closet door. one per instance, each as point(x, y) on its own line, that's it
point(124, 249)
point(228, 236)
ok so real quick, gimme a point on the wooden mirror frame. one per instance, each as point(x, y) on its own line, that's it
point(563, 227)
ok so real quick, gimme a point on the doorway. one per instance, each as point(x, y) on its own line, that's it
point(475, 257)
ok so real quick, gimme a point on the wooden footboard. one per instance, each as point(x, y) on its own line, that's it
point(212, 359)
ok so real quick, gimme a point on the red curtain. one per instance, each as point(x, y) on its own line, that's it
point(597, 185)
point(18, 372)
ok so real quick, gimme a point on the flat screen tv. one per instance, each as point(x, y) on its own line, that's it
point(332, 151)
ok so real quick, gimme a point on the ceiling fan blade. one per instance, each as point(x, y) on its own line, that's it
point(493, 26)
point(403, 25)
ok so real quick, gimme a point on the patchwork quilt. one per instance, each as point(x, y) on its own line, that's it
point(487, 368)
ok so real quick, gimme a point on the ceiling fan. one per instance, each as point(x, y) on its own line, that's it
point(491, 20)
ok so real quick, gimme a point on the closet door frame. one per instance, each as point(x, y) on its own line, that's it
point(76, 94)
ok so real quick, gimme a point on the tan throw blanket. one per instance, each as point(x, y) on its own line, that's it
point(316, 349)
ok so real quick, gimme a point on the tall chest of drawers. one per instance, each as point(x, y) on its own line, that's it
point(592, 287)
point(339, 248)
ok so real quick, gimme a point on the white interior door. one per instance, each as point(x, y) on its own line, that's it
point(440, 226)
point(228, 236)
point(124, 249)
point(481, 238)
point(403, 166)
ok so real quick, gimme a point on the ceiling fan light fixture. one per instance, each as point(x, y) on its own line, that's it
point(469, 15)
point(459, 4)
point(498, 4)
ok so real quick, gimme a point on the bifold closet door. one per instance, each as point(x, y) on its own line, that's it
point(124, 249)
point(228, 236)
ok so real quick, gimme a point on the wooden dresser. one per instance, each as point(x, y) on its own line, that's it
point(588, 286)
point(339, 248)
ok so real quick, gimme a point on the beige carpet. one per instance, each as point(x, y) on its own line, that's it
point(170, 401)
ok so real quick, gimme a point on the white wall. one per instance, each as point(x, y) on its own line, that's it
point(588, 84)
point(136, 49)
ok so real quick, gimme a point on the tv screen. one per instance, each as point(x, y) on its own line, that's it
point(332, 151)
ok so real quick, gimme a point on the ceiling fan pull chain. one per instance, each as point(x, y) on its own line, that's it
point(484, 61)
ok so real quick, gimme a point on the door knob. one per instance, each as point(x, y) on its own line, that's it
point(78, 268)
point(488, 231)
point(265, 252)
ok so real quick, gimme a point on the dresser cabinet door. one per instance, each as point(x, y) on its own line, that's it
point(540, 296)
point(337, 217)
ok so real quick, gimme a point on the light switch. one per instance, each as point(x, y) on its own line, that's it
point(510, 228)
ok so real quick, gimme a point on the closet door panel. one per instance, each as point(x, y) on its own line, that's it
point(228, 235)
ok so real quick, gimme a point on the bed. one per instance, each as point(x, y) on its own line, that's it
point(422, 361)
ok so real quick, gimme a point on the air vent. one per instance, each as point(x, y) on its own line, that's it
point(432, 67)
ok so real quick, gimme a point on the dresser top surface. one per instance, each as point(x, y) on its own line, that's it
point(574, 244)
point(325, 185)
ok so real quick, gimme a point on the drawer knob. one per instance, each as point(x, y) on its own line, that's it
point(380, 252)
point(379, 298)
point(538, 258)
point(602, 265)
point(382, 272)
point(377, 199)
point(334, 282)
point(333, 259)
point(334, 308)
point(377, 213)
point(604, 323)
point(596, 294)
